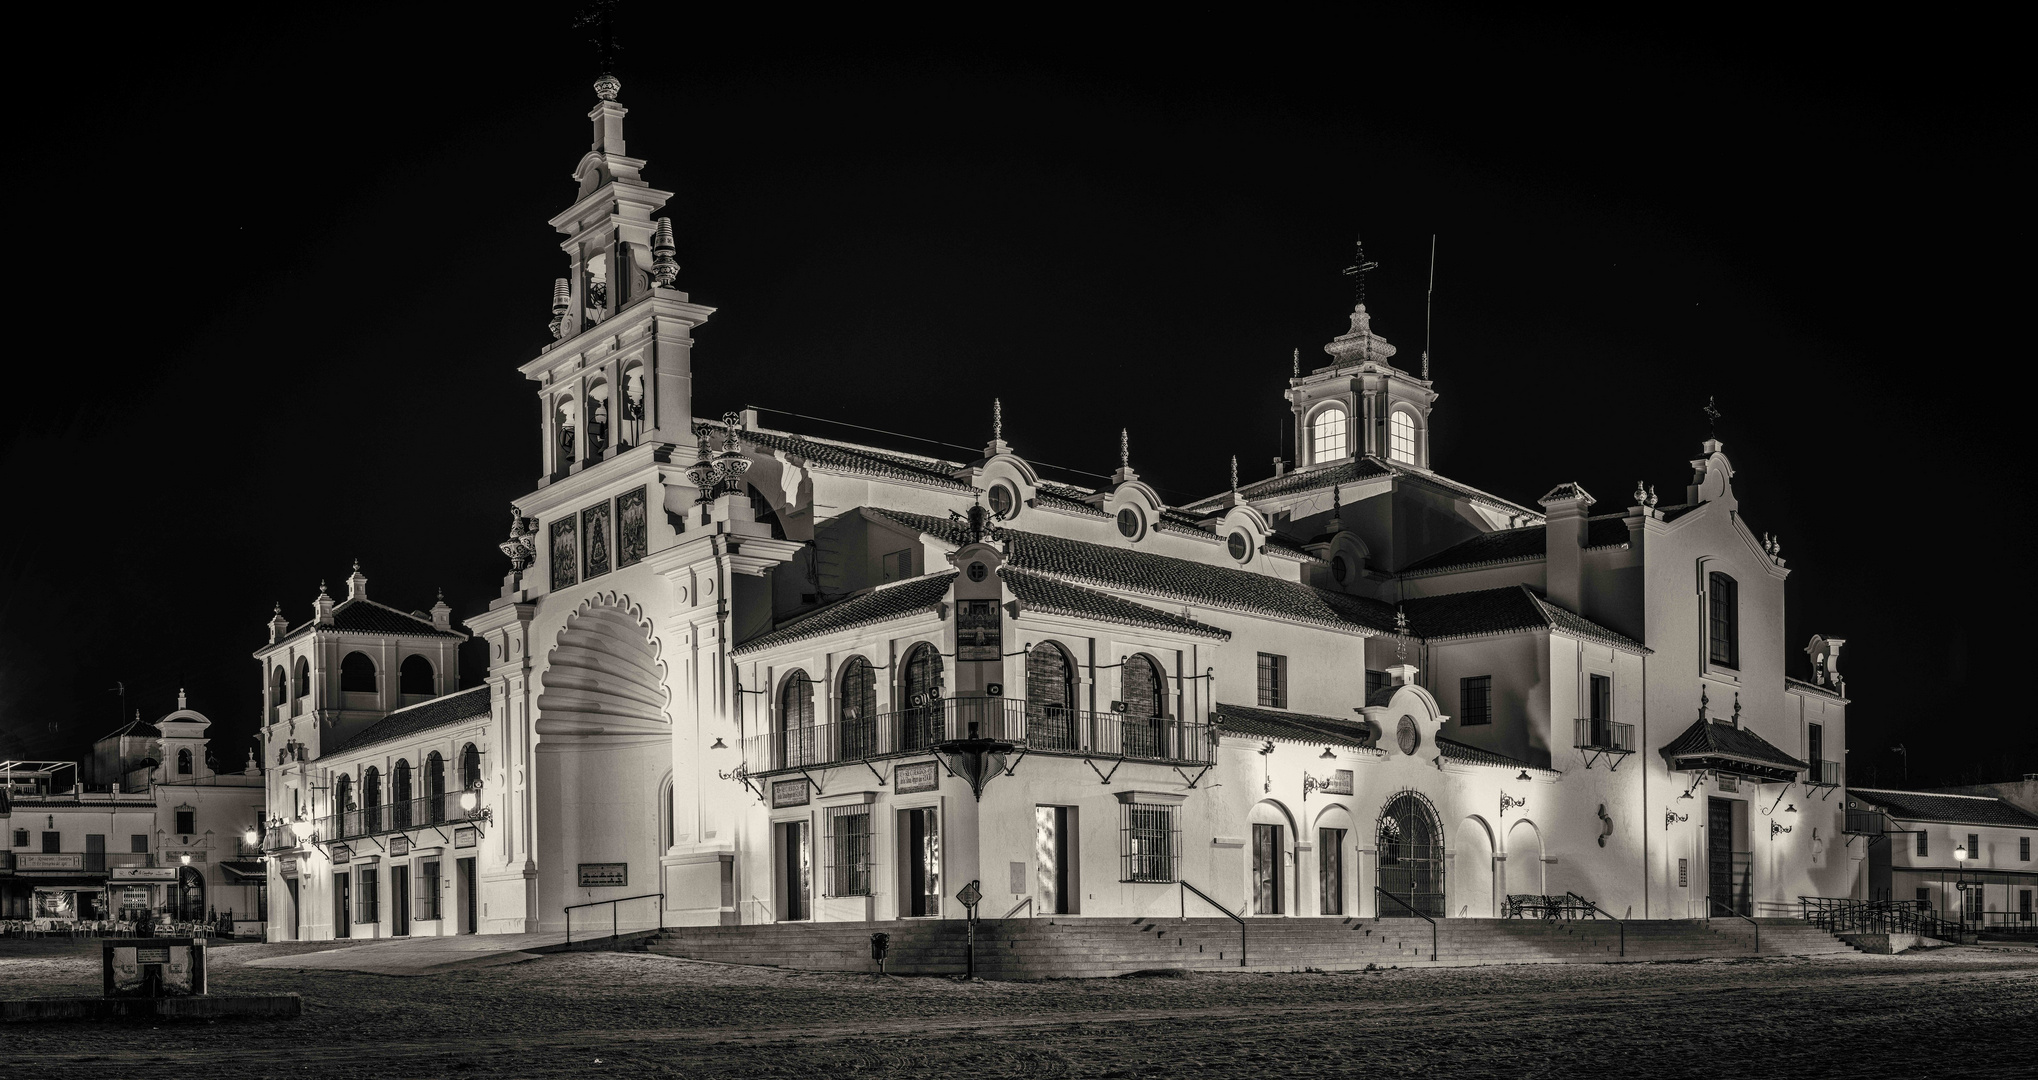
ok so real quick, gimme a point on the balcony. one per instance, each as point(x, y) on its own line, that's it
point(1867, 823)
point(1033, 728)
point(1824, 774)
point(398, 817)
point(1604, 740)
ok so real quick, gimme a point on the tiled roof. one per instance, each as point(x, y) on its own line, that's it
point(1509, 545)
point(1060, 598)
point(1169, 577)
point(1288, 545)
point(1294, 726)
point(833, 456)
point(369, 617)
point(884, 603)
point(1709, 738)
point(446, 709)
point(1349, 472)
point(1066, 498)
point(1503, 610)
point(1466, 754)
point(1812, 688)
point(1954, 809)
point(140, 729)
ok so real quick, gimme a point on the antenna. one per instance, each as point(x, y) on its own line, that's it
point(1427, 298)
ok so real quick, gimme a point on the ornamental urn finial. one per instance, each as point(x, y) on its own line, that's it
point(607, 87)
point(664, 267)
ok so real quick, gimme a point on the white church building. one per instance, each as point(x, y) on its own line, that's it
point(746, 675)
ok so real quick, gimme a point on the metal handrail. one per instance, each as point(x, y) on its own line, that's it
point(1026, 903)
point(1618, 922)
point(1225, 911)
point(1432, 922)
point(1715, 902)
point(614, 919)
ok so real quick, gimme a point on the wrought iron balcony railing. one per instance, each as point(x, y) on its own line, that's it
point(1824, 774)
point(1864, 823)
point(398, 816)
point(1035, 728)
point(1605, 735)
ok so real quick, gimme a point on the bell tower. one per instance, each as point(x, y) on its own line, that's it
point(1360, 404)
point(618, 373)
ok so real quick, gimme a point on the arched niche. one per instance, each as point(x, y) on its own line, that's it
point(603, 675)
point(1525, 858)
point(1472, 878)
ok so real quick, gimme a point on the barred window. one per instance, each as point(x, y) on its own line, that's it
point(1150, 843)
point(1273, 681)
point(1475, 700)
point(1376, 680)
point(2024, 849)
point(1725, 619)
point(1923, 847)
point(848, 872)
point(367, 910)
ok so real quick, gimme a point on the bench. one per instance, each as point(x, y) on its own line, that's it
point(1534, 906)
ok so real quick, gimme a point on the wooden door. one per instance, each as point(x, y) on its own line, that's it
point(343, 906)
point(399, 901)
point(1267, 890)
point(1719, 852)
point(468, 905)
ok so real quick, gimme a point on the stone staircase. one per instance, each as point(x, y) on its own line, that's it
point(1078, 948)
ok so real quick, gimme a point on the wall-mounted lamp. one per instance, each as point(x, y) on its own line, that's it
point(1509, 802)
point(719, 744)
point(185, 859)
point(468, 800)
point(1524, 777)
point(251, 836)
point(1328, 754)
point(1777, 827)
point(1672, 817)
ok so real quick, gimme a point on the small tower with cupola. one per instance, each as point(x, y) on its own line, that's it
point(1360, 404)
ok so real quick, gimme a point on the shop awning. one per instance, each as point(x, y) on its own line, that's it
point(245, 869)
point(1715, 746)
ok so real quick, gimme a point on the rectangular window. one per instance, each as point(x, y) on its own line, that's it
point(1925, 899)
point(1149, 842)
point(1973, 848)
point(898, 565)
point(1475, 700)
point(1684, 873)
point(1924, 848)
point(428, 891)
point(186, 823)
point(2024, 905)
point(21, 838)
point(1273, 681)
point(1330, 871)
point(1376, 680)
point(2023, 849)
point(848, 850)
point(138, 843)
point(52, 843)
point(367, 910)
point(1602, 698)
point(1725, 620)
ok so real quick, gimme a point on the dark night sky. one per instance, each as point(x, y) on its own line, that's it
point(282, 276)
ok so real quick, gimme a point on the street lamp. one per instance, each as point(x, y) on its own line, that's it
point(1960, 857)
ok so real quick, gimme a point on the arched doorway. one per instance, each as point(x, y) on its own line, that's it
point(922, 720)
point(1472, 875)
point(1145, 695)
point(1050, 697)
point(189, 902)
point(1411, 845)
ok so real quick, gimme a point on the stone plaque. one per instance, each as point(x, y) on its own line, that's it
point(342, 854)
point(399, 845)
point(631, 542)
point(790, 793)
point(919, 776)
point(467, 837)
point(604, 875)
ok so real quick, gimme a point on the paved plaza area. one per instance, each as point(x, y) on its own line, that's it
point(1957, 1012)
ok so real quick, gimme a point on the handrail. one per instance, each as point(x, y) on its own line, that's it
point(614, 918)
point(1432, 922)
point(1026, 903)
point(1715, 902)
point(1618, 922)
point(1226, 912)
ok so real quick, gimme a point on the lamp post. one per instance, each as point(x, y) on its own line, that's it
point(1960, 857)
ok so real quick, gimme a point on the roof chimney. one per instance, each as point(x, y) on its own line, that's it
point(1402, 674)
point(1565, 506)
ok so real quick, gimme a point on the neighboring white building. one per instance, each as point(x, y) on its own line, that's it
point(740, 668)
point(1967, 857)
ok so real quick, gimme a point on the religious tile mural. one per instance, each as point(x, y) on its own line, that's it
point(565, 553)
point(631, 539)
point(594, 538)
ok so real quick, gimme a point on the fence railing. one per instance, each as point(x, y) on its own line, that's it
point(1716, 905)
point(1847, 915)
point(1405, 906)
point(1604, 735)
point(1824, 774)
point(396, 817)
point(615, 919)
point(1032, 727)
point(1221, 910)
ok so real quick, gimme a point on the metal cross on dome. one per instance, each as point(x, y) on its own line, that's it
point(1712, 416)
point(1358, 270)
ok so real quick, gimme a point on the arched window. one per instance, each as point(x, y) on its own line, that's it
point(415, 676)
point(562, 434)
point(921, 719)
point(856, 709)
point(633, 404)
point(303, 677)
point(470, 768)
point(371, 800)
point(357, 674)
point(1329, 435)
point(1410, 840)
point(796, 720)
point(278, 686)
point(1050, 698)
point(343, 805)
point(1723, 604)
point(1401, 437)
point(184, 762)
point(597, 418)
point(667, 818)
point(1145, 693)
point(399, 793)
point(435, 787)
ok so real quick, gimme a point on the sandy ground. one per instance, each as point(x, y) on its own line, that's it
point(1951, 1012)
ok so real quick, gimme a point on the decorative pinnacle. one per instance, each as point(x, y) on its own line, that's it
point(607, 87)
point(1296, 370)
point(1358, 270)
point(1641, 493)
point(1337, 506)
point(1712, 417)
point(1234, 474)
point(997, 419)
point(1124, 448)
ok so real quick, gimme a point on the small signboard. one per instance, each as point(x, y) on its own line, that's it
point(342, 854)
point(918, 776)
point(1340, 782)
point(970, 894)
point(152, 954)
point(28, 860)
point(791, 793)
point(399, 845)
point(1727, 781)
point(604, 875)
point(467, 837)
point(144, 873)
point(287, 865)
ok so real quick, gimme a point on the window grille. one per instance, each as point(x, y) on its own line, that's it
point(2024, 849)
point(1401, 438)
point(367, 910)
point(1273, 681)
point(1973, 848)
point(1725, 620)
point(796, 721)
point(849, 844)
point(1924, 848)
point(1149, 842)
point(1375, 680)
point(1327, 436)
point(1683, 873)
point(1475, 700)
point(186, 823)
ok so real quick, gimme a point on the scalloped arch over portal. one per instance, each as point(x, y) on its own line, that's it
point(604, 676)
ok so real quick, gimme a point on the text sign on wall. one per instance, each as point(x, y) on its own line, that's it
point(919, 776)
point(37, 861)
point(604, 875)
point(342, 854)
point(790, 793)
point(399, 845)
point(144, 873)
point(466, 837)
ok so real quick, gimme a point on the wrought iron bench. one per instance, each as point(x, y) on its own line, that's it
point(1534, 906)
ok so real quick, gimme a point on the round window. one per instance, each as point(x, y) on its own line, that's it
point(1001, 500)
point(977, 571)
point(1339, 568)
point(1128, 522)
point(1408, 735)
point(1240, 546)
